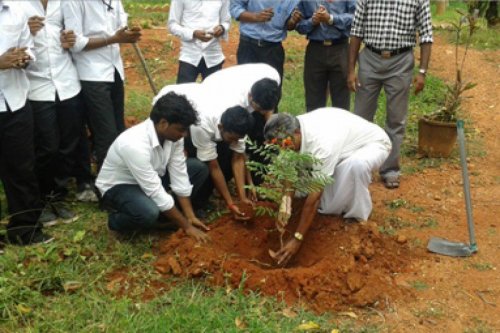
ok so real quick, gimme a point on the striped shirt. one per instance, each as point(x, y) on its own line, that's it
point(392, 24)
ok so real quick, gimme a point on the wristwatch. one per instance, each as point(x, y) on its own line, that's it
point(330, 21)
point(422, 71)
point(298, 236)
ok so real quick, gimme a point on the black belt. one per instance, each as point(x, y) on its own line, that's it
point(330, 42)
point(258, 42)
point(388, 53)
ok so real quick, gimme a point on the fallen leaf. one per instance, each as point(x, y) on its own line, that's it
point(79, 236)
point(289, 313)
point(348, 314)
point(335, 331)
point(308, 326)
point(273, 254)
point(147, 255)
point(240, 323)
point(114, 283)
point(23, 309)
point(71, 286)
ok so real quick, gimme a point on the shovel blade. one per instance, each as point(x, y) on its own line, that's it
point(448, 248)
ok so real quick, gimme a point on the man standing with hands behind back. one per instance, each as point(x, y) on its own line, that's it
point(388, 29)
point(100, 26)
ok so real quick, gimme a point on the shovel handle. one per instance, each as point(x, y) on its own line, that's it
point(465, 177)
point(145, 67)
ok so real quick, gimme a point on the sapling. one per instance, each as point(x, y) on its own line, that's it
point(285, 173)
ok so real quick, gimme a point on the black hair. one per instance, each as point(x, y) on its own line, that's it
point(174, 108)
point(266, 93)
point(237, 120)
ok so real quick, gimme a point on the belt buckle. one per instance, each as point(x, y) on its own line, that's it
point(385, 54)
point(327, 42)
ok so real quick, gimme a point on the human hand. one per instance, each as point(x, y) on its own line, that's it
point(238, 214)
point(197, 234)
point(295, 17)
point(264, 15)
point(35, 24)
point(284, 255)
point(126, 35)
point(15, 57)
point(198, 223)
point(68, 39)
point(352, 81)
point(218, 31)
point(419, 83)
point(202, 35)
point(321, 15)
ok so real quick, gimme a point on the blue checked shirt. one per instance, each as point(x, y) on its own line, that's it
point(391, 25)
point(272, 31)
point(343, 14)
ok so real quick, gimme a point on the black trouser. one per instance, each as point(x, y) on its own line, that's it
point(189, 73)
point(17, 162)
point(57, 133)
point(224, 157)
point(272, 54)
point(105, 106)
point(325, 68)
point(257, 136)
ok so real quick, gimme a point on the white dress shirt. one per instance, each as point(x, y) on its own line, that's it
point(53, 72)
point(95, 19)
point(236, 83)
point(186, 16)
point(333, 134)
point(14, 32)
point(206, 134)
point(137, 157)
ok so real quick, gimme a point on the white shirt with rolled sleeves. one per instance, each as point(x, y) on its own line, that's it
point(54, 71)
point(350, 149)
point(233, 84)
point(210, 108)
point(95, 19)
point(186, 16)
point(14, 32)
point(137, 157)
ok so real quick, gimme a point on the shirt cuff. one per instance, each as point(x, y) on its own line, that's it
point(206, 155)
point(237, 13)
point(182, 192)
point(80, 44)
point(426, 39)
point(164, 202)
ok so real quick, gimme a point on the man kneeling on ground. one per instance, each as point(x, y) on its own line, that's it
point(144, 161)
point(350, 149)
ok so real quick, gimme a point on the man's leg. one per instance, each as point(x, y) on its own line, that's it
point(315, 76)
point(118, 98)
point(397, 90)
point(100, 107)
point(246, 53)
point(338, 63)
point(47, 140)
point(205, 72)
point(187, 72)
point(348, 195)
point(366, 99)
point(17, 159)
point(198, 175)
point(133, 209)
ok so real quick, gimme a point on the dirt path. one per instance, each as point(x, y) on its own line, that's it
point(449, 294)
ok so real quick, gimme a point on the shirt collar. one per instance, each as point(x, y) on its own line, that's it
point(151, 131)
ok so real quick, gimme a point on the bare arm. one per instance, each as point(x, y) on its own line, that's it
point(352, 80)
point(123, 35)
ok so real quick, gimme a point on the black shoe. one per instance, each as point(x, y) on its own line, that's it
point(31, 238)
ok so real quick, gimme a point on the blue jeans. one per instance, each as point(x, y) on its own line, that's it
point(133, 210)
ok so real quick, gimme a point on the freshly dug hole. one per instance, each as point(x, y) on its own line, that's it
point(339, 265)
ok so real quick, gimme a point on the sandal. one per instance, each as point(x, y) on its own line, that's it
point(391, 182)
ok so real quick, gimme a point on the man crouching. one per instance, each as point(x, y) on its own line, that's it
point(143, 162)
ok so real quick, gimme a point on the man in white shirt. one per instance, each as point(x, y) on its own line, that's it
point(199, 25)
point(349, 148)
point(57, 107)
point(100, 26)
point(17, 155)
point(143, 161)
point(254, 87)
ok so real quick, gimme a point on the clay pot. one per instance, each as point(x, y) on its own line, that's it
point(436, 138)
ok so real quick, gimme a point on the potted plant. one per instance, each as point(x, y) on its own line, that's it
point(287, 172)
point(437, 132)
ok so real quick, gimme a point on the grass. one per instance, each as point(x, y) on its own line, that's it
point(419, 285)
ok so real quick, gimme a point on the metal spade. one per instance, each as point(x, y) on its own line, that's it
point(456, 249)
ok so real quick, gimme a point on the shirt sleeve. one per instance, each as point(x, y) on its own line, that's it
point(206, 148)
point(424, 23)
point(138, 162)
point(175, 19)
point(357, 29)
point(238, 146)
point(237, 7)
point(225, 18)
point(305, 25)
point(26, 40)
point(343, 21)
point(177, 170)
point(123, 16)
point(73, 20)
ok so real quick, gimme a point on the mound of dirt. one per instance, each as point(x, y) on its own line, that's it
point(339, 265)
